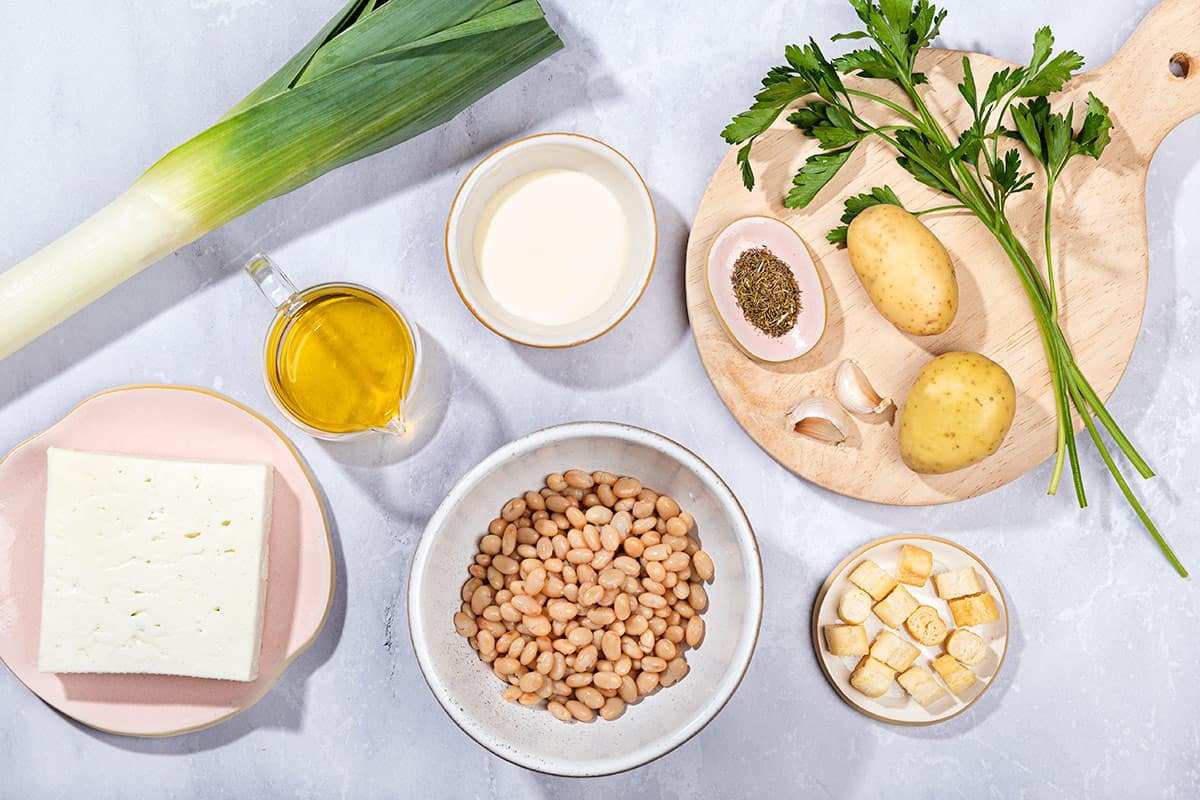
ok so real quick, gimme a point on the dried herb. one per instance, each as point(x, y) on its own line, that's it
point(766, 291)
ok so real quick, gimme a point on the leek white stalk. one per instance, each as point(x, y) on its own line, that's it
point(113, 245)
point(378, 73)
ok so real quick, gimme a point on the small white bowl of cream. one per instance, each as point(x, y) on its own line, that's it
point(551, 239)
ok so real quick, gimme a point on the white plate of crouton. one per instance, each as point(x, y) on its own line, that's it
point(911, 629)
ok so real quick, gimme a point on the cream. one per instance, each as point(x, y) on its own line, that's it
point(551, 246)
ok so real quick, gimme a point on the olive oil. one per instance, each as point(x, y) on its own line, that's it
point(340, 359)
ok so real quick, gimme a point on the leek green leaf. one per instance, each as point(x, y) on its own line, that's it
point(287, 139)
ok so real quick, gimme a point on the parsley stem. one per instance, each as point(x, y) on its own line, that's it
point(1110, 424)
point(1056, 371)
point(1056, 360)
point(1043, 297)
point(932, 126)
point(1067, 424)
point(1077, 378)
point(936, 209)
point(1063, 417)
point(992, 213)
point(1130, 497)
point(1035, 273)
point(916, 157)
point(1049, 250)
point(1054, 347)
point(899, 109)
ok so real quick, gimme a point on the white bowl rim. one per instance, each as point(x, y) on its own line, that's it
point(572, 430)
point(496, 326)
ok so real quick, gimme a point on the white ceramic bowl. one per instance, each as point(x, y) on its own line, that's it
point(531, 737)
point(552, 151)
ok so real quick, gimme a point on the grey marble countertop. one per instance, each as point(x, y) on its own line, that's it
point(1099, 694)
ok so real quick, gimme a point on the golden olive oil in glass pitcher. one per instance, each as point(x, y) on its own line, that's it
point(341, 361)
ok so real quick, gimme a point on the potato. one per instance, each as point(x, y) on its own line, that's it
point(904, 268)
point(957, 413)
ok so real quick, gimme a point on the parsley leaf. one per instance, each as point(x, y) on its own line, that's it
point(768, 105)
point(817, 171)
point(898, 14)
point(1002, 84)
point(833, 138)
point(970, 143)
point(1095, 133)
point(967, 88)
point(1043, 44)
point(810, 63)
point(1050, 78)
point(831, 125)
point(743, 160)
point(781, 87)
point(1007, 177)
point(1051, 138)
point(926, 161)
point(821, 114)
point(868, 63)
point(900, 28)
point(1030, 119)
point(859, 203)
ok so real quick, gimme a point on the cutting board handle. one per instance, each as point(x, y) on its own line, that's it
point(1153, 83)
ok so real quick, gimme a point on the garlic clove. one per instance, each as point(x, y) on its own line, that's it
point(820, 419)
point(855, 392)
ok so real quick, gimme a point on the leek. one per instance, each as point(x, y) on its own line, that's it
point(380, 72)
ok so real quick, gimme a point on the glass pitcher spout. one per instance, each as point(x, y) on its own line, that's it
point(396, 426)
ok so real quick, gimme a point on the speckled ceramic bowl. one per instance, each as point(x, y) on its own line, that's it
point(530, 736)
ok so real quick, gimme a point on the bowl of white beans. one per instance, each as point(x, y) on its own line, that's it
point(586, 599)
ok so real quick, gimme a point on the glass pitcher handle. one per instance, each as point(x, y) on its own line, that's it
point(271, 280)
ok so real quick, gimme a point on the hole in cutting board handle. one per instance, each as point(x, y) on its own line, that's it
point(1180, 65)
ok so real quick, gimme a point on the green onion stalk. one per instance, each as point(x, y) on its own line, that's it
point(378, 73)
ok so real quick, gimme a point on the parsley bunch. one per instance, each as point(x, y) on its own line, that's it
point(979, 168)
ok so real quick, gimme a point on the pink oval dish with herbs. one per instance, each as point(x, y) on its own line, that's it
point(765, 289)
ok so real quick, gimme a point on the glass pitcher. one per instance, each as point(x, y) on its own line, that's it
point(341, 361)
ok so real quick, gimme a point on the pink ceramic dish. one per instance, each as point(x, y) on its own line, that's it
point(166, 422)
point(752, 232)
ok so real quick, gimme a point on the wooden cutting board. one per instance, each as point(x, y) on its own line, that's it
point(1101, 260)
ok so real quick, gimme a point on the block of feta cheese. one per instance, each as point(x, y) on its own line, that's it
point(154, 566)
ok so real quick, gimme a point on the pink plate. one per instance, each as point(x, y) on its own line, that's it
point(167, 422)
